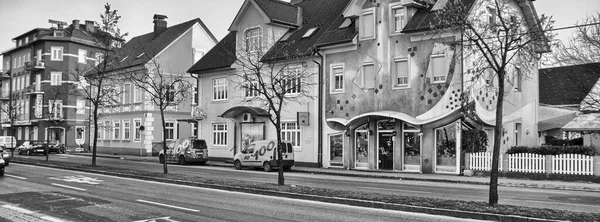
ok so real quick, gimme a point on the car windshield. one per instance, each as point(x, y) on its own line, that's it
point(37, 142)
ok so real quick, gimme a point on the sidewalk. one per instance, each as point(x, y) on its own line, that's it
point(502, 181)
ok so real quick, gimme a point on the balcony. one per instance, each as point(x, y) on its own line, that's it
point(32, 90)
point(4, 95)
point(35, 65)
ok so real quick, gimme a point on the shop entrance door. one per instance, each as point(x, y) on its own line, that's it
point(385, 150)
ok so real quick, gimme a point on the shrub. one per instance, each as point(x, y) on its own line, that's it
point(555, 150)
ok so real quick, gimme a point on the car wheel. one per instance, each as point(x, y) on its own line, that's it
point(161, 159)
point(267, 167)
point(238, 165)
point(181, 160)
point(29, 153)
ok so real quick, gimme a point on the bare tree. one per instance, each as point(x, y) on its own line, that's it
point(95, 79)
point(12, 110)
point(164, 90)
point(268, 80)
point(501, 41)
point(54, 113)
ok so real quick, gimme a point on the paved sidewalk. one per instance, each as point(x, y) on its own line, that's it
point(502, 181)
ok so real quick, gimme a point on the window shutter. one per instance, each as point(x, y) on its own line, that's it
point(369, 76)
point(368, 22)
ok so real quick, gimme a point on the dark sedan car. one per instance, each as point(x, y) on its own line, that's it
point(33, 147)
point(6, 154)
point(2, 162)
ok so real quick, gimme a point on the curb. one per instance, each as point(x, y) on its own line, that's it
point(336, 200)
point(504, 184)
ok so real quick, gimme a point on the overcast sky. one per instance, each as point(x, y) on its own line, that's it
point(19, 16)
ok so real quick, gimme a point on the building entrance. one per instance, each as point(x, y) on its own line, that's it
point(385, 150)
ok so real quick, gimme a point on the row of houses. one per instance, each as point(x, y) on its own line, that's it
point(387, 93)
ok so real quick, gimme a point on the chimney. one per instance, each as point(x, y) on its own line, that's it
point(89, 26)
point(160, 24)
point(76, 24)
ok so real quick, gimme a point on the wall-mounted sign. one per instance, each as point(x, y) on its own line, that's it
point(39, 101)
point(302, 119)
point(56, 22)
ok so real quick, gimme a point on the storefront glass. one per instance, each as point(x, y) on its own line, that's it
point(446, 148)
point(385, 144)
point(362, 147)
point(412, 148)
point(336, 150)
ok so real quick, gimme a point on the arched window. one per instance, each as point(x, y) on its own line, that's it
point(252, 39)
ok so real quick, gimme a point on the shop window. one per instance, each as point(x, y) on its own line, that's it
point(362, 146)
point(336, 150)
point(446, 148)
point(412, 148)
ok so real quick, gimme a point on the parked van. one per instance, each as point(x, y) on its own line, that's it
point(8, 142)
point(263, 153)
point(185, 150)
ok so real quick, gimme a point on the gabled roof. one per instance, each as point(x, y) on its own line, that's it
point(315, 14)
point(337, 35)
point(274, 11)
point(556, 122)
point(150, 44)
point(425, 19)
point(584, 122)
point(567, 85)
point(221, 55)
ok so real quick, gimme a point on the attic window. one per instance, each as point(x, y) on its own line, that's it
point(140, 55)
point(346, 23)
point(310, 32)
point(286, 36)
point(58, 33)
point(124, 59)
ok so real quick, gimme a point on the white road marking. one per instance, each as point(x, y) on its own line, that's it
point(78, 179)
point(166, 205)
point(70, 187)
point(18, 209)
point(13, 176)
point(157, 219)
point(559, 203)
point(52, 219)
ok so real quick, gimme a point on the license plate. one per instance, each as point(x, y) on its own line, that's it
point(39, 150)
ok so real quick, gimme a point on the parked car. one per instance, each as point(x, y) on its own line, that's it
point(6, 155)
point(2, 165)
point(57, 148)
point(263, 153)
point(185, 150)
point(33, 147)
point(8, 142)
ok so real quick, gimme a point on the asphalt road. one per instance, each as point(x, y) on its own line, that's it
point(581, 201)
point(62, 195)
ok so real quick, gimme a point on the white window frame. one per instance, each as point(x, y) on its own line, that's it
point(99, 57)
point(19, 132)
point(220, 86)
point(82, 56)
point(444, 68)
point(126, 130)
point(35, 133)
point(80, 106)
point(137, 94)
point(26, 133)
point(56, 53)
point(518, 80)
point(291, 134)
point(127, 93)
point(170, 128)
point(219, 136)
point(106, 132)
point(362, 28)
point(137, 130)
point(250, 92)
point(55, 78)
point(293, 83)
point(255, 39)
point(333, 83)
point(116, 134)
point(55, 108)
point(395, 84)
point(393, 22)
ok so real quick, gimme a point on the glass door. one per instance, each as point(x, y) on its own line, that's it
point(385, 149)
point(412, 148)
point(362, 147)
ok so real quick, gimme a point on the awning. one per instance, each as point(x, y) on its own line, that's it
point(337, 123)
point(238, 110)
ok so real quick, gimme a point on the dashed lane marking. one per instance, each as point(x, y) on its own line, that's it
point(166, 205)
point(165, 219)
point(13, 176)
point(70, 187)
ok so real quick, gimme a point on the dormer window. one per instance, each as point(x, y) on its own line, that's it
point(252, 39)
point(58, 33)
point(399, 19)
point(367, 27)
point(310, 32)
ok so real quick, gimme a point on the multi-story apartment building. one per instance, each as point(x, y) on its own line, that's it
point(133, 125)
point(37, 80)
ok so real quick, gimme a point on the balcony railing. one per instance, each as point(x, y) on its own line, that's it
point(33, 89)
point(4, 74)
point(35, 65)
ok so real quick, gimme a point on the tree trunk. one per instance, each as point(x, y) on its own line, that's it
point(280, 178)
point(94, 144)
point(164, 140)
point(493, 195)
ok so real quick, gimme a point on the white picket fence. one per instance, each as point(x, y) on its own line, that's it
point(483, 161)
point(527, 163)
point(535, 163)
point(573, 164)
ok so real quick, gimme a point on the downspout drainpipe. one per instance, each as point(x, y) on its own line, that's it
point(320, 112)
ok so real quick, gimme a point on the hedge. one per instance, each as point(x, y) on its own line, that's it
point(555, 150)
